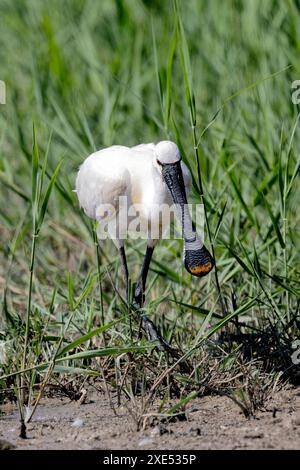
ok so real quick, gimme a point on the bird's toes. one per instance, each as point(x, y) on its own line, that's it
point(154, 336)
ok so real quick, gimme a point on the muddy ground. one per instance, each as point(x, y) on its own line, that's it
point(212, 423)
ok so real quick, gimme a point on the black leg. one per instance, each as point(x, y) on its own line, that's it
point(125, 271)
point(139, 293)
point(138, 302)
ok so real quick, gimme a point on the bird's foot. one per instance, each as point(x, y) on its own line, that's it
point(148, 325)
point(154, 336)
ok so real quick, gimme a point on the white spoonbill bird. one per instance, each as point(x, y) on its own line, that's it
point(147, 176)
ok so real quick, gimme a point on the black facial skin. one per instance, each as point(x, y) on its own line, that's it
point(197, 262)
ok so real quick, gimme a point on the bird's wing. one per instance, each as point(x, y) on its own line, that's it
point(100, 185)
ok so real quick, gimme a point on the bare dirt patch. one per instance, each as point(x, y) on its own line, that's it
point(212, 423)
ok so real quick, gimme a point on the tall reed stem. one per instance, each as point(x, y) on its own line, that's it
point(98, 257)
point(196, 153)
point(27, 328)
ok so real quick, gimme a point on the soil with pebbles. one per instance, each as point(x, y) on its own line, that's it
point(212, 423)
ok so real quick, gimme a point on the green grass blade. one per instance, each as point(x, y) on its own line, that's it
point(274, 223)
point(47, 195)
point(34, 166)
point(87, 336)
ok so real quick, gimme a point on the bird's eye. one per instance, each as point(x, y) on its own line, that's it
point(159, 163)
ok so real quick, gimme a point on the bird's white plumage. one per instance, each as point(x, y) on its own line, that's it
point(133, 173)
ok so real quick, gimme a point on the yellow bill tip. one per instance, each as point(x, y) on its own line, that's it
point(201, 269)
